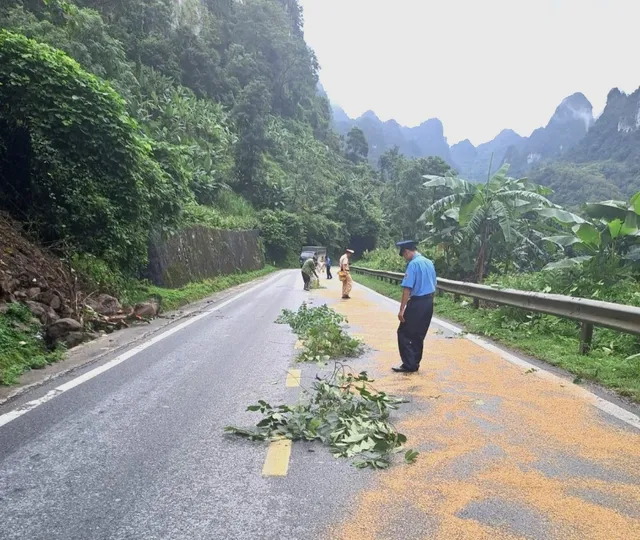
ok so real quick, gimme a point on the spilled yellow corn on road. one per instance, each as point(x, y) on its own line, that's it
point(506, 452)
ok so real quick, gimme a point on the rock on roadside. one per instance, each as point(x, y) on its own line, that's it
point(44, 313)
point(146, 310)
point(62, 328)
point(73, 339)
point(104, 304)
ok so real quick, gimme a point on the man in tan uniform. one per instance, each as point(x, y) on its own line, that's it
point(347, 283)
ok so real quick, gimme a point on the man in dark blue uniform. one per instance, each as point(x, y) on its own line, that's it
point(416, 308)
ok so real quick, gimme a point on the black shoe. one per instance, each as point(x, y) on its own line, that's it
point(403, 369)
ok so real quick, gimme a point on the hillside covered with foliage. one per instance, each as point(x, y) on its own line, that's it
point(122, 119)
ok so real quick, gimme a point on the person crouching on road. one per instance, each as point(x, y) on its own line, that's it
point(327, 264)
point(416, 308)
point(309, 269)
point(345, 273)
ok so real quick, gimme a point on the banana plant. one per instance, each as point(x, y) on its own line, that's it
point(612, 236)
point(493, 212)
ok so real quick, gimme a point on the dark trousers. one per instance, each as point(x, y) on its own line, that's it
point(411, 333)
point(307, 281)
point(329, 276)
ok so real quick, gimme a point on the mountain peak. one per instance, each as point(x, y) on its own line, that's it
point(434, 122)
point(574, 107)
point(508, 133)
point(432, 126)
point(463, 145)
point(613, 94)
point(506, 137)
point(577, 100)
point(339, 115)
point(369, 115)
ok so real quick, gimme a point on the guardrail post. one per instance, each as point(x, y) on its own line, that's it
point(476, 303)
point(586, 335)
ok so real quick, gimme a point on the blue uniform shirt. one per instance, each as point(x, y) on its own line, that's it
point(420, 276)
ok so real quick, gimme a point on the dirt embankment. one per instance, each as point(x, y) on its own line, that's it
point(67, 309)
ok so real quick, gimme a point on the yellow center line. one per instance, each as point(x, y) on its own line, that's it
point(277, 461)
point(293, 378)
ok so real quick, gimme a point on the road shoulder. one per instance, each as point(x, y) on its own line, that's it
point(95, 351)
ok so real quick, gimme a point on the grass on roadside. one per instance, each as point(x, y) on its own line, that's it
point(611, 362)
point(171, 299)
point(21, 345)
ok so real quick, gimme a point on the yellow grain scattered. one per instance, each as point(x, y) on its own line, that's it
point(470, 400)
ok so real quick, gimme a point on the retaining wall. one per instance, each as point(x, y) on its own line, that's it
point(199, 253)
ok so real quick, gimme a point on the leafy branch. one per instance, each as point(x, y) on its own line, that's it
point(343, 411)
point(320, 330)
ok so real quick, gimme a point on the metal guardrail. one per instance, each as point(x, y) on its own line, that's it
point(589, 312)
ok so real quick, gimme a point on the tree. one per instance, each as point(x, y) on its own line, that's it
point(404, 197)
point(357, 149)
point(250, 117)
point(488, 213)
point(82, 172)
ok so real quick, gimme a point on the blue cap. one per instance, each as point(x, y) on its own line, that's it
point(407, 244)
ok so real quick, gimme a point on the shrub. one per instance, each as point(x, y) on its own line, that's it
point(384, 259)
point(74, 162)
point(283, 235)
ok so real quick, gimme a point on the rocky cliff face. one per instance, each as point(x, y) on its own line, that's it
point(616, 133)
point(566, 128)
point(605, 163)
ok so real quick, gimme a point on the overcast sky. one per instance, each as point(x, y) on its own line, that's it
point(478, 65)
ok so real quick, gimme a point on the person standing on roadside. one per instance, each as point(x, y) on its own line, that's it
point(416, 307)
point(327, 263)
point(345, 273)
point(308, 270)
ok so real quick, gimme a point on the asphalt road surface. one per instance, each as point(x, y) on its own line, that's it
point(138, 451)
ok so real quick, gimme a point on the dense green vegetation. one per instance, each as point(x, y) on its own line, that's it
point(572, 184)
point(162, 114)
point(21, 344)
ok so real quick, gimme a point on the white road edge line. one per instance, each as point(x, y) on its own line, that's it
point(605, 406)
point(17, 413)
